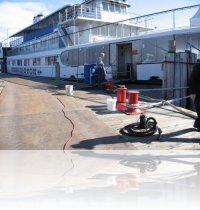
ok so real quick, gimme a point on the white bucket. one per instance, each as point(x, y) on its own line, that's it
point(69, 90)
point(111, 104)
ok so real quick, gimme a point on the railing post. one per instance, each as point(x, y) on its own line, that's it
point(145, 21)
point(66, 14)
point(74, 25)
point(59, 17)
point(174, 20)
point(90, 34)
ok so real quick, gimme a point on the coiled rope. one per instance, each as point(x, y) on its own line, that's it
point(145, 127)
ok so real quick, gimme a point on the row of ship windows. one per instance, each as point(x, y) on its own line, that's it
point(50, 60)
point(112, 7)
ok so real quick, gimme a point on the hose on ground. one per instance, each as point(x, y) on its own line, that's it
point(73, 125)
point(145, 127)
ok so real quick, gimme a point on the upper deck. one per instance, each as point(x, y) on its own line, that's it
point(75, 25)
point(91, 10)
point(105, 11)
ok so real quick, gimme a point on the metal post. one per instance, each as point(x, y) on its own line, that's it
point(81, 10)
point(145, 21)
point(174, 20)
point(96, 12)
point(66, 14)
point(74, 24)
point(90, 34)
point(59, 17)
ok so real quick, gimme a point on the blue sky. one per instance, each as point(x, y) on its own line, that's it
point(17, 14)
point(142, 6)
point(147, 6)
point(138, 6)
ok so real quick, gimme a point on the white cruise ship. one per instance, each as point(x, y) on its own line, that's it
point(63, 43)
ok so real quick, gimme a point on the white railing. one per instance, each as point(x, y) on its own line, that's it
point(81, 11)
point(161, 21)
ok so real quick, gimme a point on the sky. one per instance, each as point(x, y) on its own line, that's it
point(17, 14)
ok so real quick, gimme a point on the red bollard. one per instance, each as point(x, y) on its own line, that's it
point(121, 95)
point(132, 106)
point(121, 98)
point(110, 85)
point(133, 96)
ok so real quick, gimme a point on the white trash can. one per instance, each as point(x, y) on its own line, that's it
point(69, 90)
point(111, 104)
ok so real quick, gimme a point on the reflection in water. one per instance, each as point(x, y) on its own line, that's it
point(99, 179)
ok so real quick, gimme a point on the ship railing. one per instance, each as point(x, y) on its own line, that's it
point(169, 19)
point(88, 12)
point(80, 11)
point(37, 46)
point(160, 22)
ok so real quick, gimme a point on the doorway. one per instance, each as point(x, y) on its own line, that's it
point(124, 63)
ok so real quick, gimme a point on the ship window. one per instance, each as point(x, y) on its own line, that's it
point(81, 57)
point(65, 58)
point(117, 8)
point(36, 61)
point(51, 60)
point(19, 62)
point(92, 7)
point(103, 31)
point(112, 30)
point(13, 62)
point(26, 62)
point(75, 57)
point(154, 49)
point(87, 9)
point(105, 6)
point(104, 49)
point(70, 58)
point(54, 40)
point(43, 43)
point(123, 9)
point(112, 7)
point(95, 31)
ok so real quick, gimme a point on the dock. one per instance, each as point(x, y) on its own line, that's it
point(36, 113)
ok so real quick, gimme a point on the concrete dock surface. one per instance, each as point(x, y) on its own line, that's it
point(36, 114)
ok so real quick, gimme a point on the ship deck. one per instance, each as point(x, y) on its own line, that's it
point(35, 113)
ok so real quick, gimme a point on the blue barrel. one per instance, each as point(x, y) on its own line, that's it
point(88, 70)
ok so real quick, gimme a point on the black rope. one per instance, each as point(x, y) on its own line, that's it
point(145, 127)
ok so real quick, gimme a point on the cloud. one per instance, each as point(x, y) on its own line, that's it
point(14, 16)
